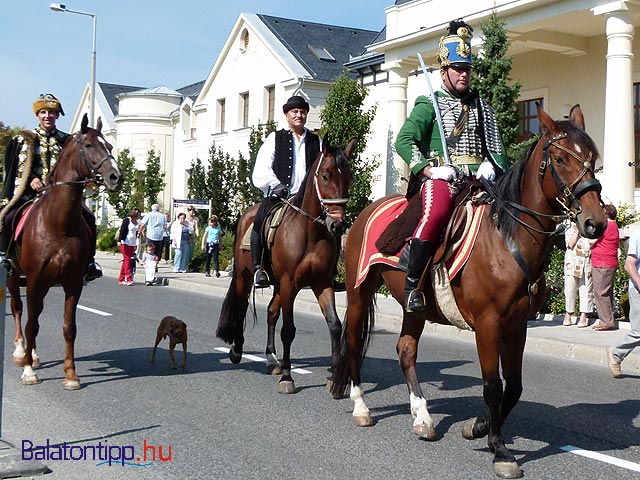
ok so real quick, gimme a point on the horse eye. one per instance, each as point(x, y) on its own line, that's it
point(325, 177)
point(559, 160)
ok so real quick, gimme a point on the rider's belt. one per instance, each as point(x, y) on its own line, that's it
point(458, 160)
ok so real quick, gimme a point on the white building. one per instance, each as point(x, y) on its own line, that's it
point(564, 52)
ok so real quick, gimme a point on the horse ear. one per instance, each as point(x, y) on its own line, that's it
point(576, 116)
point(99, 124)
point(351, 147)
point(85, 124)
point(325, 143)
point(549, 127)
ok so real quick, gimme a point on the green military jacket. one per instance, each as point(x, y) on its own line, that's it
point(419, 143)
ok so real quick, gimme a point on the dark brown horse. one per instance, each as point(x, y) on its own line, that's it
point(54, 245)
point(304, 253)
point(497, 291)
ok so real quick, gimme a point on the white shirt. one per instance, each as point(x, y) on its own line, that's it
point(263, 176)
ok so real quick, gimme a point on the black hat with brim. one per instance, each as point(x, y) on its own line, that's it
point(295, 102)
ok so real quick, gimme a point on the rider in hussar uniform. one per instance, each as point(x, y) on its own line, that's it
point(474, 146)
point(28, 160)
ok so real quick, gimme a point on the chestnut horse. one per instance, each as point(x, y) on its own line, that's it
point(304, 253)
point(54, 245)
point(497, 291)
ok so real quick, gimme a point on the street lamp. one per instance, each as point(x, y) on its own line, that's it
point(58, 7)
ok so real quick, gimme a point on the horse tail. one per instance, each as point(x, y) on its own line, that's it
point(232, 314)
point(342, 372)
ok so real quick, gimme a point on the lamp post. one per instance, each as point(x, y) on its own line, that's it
point(58, 7)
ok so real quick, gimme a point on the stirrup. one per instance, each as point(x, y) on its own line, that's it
point(6, 263)
point(260, 279)
point(415, 301)
point(93, 271)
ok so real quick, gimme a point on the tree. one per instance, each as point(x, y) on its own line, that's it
point(344, 118)
point(130, 195)
point(153, 181)
point(222, 186)
point(197, 181)
point(491, 78)
point(6, 134)
point(247, 193)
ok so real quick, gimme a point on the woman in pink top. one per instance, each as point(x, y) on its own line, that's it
point(604, 263)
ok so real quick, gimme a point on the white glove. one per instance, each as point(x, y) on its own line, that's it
point(485, 170)
point(443, 172)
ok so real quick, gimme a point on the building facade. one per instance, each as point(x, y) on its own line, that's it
point(564, 52)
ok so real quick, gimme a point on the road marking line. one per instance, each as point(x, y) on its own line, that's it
point(92, 310)
point(635, 467)
point(255, 358)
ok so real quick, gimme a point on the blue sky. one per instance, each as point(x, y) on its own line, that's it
point(139, 42)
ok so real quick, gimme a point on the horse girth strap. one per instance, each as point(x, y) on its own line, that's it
point(532, 287)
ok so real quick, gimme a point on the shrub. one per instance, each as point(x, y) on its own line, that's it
point(199, 257)
point(107, 239)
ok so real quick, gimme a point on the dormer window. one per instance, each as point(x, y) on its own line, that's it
point(322, 54)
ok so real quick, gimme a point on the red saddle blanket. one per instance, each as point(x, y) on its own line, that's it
point(389, 211)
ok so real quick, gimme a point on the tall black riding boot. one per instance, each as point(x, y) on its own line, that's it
point(419, 254)
point(260, 278)
point(5, 239)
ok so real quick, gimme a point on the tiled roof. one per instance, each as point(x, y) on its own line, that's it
point(340, 43)
point(110, 90)
point(192, 91)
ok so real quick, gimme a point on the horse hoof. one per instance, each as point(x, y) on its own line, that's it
point(71, 384)
point(508, 470)
point(467, 429)
point(287, 387)
point(274, 370)
point(30, 380)
point(234, 357)
point(35, 363)
point(425, 431)
point(363, 420)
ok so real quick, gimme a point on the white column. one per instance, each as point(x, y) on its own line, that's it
point(396, 167)
point(618, 178)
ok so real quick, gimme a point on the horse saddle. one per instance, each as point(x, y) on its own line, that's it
point(391, 226)
point(272, 221)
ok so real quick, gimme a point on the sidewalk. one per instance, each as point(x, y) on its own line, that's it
point(546, 335)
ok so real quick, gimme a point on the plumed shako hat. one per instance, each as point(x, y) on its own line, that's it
point(295, 102)
point(455, 47)
point(47, 101)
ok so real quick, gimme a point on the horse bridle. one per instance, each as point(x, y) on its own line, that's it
point(325, 203)
point(93, 172)
point(570, 193)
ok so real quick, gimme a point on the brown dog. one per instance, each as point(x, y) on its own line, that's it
point(176, 330)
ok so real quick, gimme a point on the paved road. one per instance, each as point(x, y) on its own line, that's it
point(224, 421)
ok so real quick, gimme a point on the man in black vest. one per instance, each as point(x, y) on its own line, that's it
point(280, 169)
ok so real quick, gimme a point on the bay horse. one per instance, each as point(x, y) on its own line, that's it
point(304, 253)
point(499, 288)
point(53, 247)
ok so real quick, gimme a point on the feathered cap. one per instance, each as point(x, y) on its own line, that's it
point(47, 101)
point(455, 47)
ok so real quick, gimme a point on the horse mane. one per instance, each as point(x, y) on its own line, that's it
point(507, 187)
point(340, 162)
